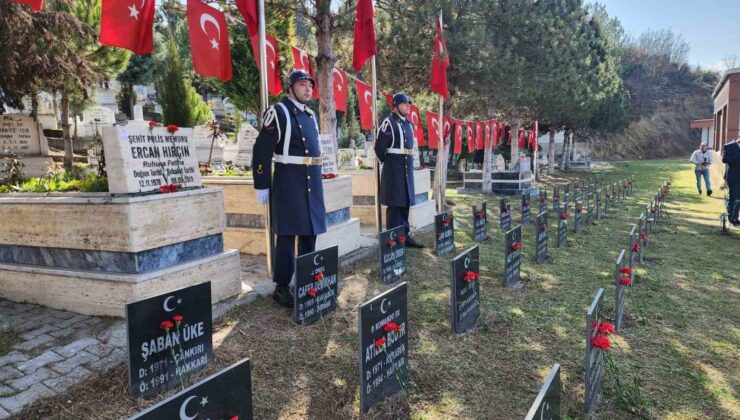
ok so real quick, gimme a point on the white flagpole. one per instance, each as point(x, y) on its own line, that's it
point(267, 211)
point(441, 150)
point(376, 170)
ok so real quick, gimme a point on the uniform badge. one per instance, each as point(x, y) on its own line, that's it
point(259, 169)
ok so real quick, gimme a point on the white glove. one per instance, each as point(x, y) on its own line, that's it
point(263, 196)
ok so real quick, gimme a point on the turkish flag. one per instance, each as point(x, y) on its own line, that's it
point(440, 62)
point(302, 61)
point(449, 123)
point(248, 9)
point(274, 86)
point(364, 44)
point(433, 129)
point(533, 137)
point(209, 41)
point(365, 98)
point(494, 132)
point(478, 136)
point(340, 89)
point(469, 135)
point(487, 135)
point(521, 140)
point(388, 100)
point(458, 137)
point(127, 25)
point(415, 118)
point(37, 5)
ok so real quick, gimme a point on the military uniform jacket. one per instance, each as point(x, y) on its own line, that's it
point(297, 190)
point(397, 179)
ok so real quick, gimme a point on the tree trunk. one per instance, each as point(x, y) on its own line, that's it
point(514, 147)
point(551, 152)
point(325, 61)
point(131, 99)
point(68, 155)
point(564, 149)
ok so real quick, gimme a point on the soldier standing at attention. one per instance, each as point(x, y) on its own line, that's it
point(394, 149)
point(290, 132)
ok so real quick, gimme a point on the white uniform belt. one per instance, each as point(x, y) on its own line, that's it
point(299, 160)
point(407, 152)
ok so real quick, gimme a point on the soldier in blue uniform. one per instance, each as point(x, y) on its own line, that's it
point(394, 148)
point(290, 132)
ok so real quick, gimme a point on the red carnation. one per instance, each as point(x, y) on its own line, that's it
point(312, 291)
point(421, 167)
point(606, 328)
point(402, 239)
point(177, 318)
point(380, 342)
point(601, 342)
point(318, 276)
point(564, 216)
point(643, 235)
point(164, 189)
point(471, 276)
point(391, 326)
point(174, 187)
point(391, 242)
point(172, 128)
point(625, 281)
point(635, 247)
point(166, 325)
point(152, 124)
point(516, 246)
point(626, 270)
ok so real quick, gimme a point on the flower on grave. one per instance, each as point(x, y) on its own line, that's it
point(234, 418)
point(635, 247)
point(601, 342)
point(152, 124)
point(643, 235)
point(516, 246)
point(318, 276)
point(328, 176)
point(178, 319)
point(625, 281)
point(391, 326)
point(626, 270)
point(166, 325)
point(606, 328)
point(479, 214)
point(440, 234)
point(556, 197)
point(564, 216)
point(402, 239)
point(312, 292)
point(421, 167)
point(471, 276)
point(172, 128)
point(390, 242)
point(446, 221)
point(380, 343)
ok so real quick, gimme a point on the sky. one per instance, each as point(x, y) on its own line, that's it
point(711, 27)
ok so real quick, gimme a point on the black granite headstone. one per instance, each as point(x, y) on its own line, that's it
point(634, 251)
point(224, 396)
point(316, 290)
point(169, 338)
point(563, 230)
point(546, 405)
point(383, 368)
point(620, 280)
point(578, 217)
point(504, 210)
point(540, 255)
point(512, 256)
point(392, 254)
point(480, 223)
point(444, 228)
point(598, 204)
point(642, 225)
point(465, 270)
point(594, 366)
point(543, 201)
point(526, 209)
point(556, 201)
point(589, 210)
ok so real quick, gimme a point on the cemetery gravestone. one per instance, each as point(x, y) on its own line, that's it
point(634, 250)
point(465, 269)
point(541, 250)
point(444, 225)
point(480, 223)
point(563, 230)
point(643, 234)
point(383, 323)
point(555, 201)
point(594, 363)
point(392, 254)
point(526, 211)
point(169, 338)
point(546, 405)
point(316, 278)
point(578, 216)
point(328, 154)
point(225, 395)
point(543, 201)
point(589, 210)
point(621, 281)
point(505, 214)
point(208, 147)
point(142, 159)
point(245, 139)
point(512, 256)
point(21, 135)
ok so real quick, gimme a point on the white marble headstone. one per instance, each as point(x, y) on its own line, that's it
point(22, 135)
point(138, 113)
point(245, 139)
point(141, 159)
point(328, 154)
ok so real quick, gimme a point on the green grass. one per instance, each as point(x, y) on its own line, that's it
point(681, 335)
point(7, 340)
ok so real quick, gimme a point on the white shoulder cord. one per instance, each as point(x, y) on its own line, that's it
point(286, 142)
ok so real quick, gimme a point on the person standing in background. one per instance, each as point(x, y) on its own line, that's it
point(701, 158)
point(731, 156)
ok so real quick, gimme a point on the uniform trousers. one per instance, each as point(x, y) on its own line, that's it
point(284, 257)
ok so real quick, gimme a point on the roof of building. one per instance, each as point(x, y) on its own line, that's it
point(706, 123)
point(722, 81)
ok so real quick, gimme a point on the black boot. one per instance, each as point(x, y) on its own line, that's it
point(412, 243)
point(709, 193)
point(282, 295)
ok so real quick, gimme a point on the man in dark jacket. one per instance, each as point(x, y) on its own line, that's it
point(290, 132)
point(394, 148)
point(731, 156)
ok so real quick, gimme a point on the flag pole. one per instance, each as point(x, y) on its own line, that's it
point(376, 170)
point(441, 150)
point(267, 210)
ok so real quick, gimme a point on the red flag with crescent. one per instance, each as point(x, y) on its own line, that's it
point(415, 118)
point(127, 25)
point(533, 137)
point(521, 141)
point(302, 61)
point(340, 89)
point(433, 129)
point(495, 132)
point(364, 41)
point(440, 62)
point(478, 136)
point(365, 99)
point(469, 135)
point(487, 134)
point(274, 86)
point(449, 125)
point(209, 41)
point(458, 137)
point(248, 10)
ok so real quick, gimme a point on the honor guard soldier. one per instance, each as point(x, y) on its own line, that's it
point(394, 148)
point(290, 133)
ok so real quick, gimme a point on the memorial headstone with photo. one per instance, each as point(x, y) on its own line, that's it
point(444, 227)
point(512, 256)
point(465, 272)
point(392, 254)
point(383, 367)
point(540, 255)
point(316, 277)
